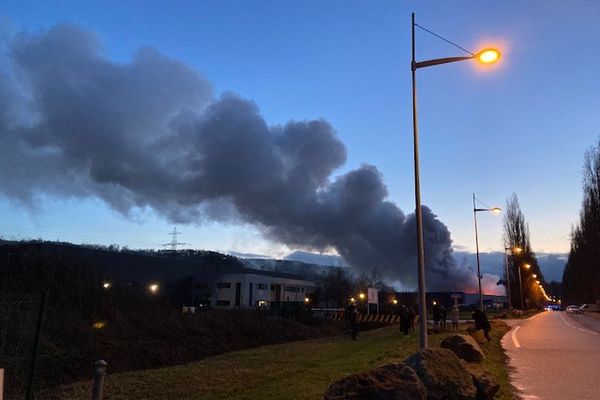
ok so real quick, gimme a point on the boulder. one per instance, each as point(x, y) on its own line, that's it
point(464, 347)
point(486, 383)
point(443, 374)
point(478, 335)
point(393, 381)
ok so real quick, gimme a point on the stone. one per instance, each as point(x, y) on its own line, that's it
point(486, 384)
point(465, 347)
point(444, 375)
point(390, 382)
point(479, 336)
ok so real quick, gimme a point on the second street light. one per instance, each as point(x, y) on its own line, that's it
point(513, 250)
point(486, 56)
point(526, 266)
point(494, 210)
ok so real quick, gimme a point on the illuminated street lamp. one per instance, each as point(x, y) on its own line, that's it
point(306, 300)
point(514, 250)
point(494, 210)
point(526, 266)
point(153, 288)
point(106, 285)
point(361, 296)
point(534, 276)
point(485, 56)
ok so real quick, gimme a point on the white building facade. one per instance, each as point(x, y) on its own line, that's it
point(257, 288)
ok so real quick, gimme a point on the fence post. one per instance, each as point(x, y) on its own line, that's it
point(99, 372)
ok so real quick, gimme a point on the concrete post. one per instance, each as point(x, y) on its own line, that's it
point(99, 373)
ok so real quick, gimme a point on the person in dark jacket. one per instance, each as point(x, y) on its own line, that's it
point(412, 316)
point(404, 319)
point(443, 317)
point(481, 322)
point(353, 318)
point(435, 311)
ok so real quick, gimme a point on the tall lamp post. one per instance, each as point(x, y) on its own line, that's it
point(486, 56)
point(513, 250)
point(494, 210)
point(526, 266)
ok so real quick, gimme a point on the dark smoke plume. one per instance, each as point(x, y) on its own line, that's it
point(150, 134)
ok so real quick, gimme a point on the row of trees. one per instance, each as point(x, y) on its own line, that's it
point(581, 277)
point(521, 259)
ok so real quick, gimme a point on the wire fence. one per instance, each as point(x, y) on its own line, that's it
point(19, 317)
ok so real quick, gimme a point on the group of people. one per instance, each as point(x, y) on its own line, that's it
point(408, 316)
point(440, 316)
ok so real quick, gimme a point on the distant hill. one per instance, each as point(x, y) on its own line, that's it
point(318, 259)
point(142, 266)
point(551, 264)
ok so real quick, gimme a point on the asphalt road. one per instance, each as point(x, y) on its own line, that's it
point(555, 355)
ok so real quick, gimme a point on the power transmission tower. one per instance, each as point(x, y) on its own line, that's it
point(174, 243)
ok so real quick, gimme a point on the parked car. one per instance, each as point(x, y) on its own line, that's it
point(573, 309)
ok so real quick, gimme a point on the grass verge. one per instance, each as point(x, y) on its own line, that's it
point(298, 370)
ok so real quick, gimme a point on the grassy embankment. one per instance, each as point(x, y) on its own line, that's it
point(298, 370)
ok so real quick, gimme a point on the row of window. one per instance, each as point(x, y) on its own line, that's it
point(260, 286)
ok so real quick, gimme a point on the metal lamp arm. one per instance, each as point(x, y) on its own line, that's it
point(429, 63)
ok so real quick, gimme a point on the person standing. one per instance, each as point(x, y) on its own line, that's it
point(353, 317)
point(404, 319)
point(412, 316)
point(443, 316)
point(454, 317)
point(436, 316)
point(481, 322)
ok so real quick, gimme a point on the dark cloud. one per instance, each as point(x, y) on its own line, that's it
point(150, 134)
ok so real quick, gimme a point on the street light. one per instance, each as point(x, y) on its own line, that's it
point(485, 57)
point(153, 288)
point(526, 266)
point(494, 210)
point(106, 285)
point(516, 250)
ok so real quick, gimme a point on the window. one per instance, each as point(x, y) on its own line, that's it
point(223, 303)
point(261, 286)
point(292, 289)
point(224, 285)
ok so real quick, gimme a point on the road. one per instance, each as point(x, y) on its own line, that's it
point(555, 355)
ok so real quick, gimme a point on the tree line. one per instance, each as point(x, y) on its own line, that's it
point(581, 277)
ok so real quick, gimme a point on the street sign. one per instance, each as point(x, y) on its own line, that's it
point(372, 296)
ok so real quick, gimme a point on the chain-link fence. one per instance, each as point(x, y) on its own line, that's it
point(20, 316)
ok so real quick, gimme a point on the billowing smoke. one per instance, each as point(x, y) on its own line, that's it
point(150, 134)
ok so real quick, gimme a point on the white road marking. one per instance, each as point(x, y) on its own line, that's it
point(514, 337)
point(575, 327)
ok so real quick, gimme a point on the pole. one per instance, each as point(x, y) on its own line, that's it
point(507, 282)
point(36, 345)
point(477, 248)
point(418, 213)
point(521, 288)
point(99, 373)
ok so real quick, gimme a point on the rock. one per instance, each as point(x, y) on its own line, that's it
point(479, 336)
point(390, 382)
point(464, 347)
point(486, 383)
point(443, 374)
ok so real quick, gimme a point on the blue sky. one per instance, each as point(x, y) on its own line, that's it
point(521, 126)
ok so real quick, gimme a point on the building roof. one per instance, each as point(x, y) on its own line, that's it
point(274, 274)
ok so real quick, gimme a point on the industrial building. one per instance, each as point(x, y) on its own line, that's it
point(249, 288)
